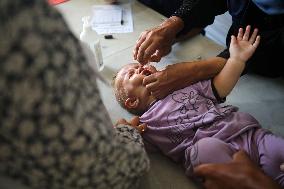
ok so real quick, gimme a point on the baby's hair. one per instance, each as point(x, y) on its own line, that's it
point(119, 91)
point(121, 95)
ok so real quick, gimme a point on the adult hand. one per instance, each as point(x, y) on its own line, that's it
point(164, 82)
point(241, 173)
point(155, 43)
point(180, 75)
point(243, 47)
point(134, 122)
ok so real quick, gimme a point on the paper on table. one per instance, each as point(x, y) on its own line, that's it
point(107, 16)
point(112, 19)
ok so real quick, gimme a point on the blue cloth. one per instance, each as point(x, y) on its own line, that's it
point(236, 7)
point(270, 6)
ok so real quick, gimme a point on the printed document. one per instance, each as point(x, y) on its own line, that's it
point(108, 19)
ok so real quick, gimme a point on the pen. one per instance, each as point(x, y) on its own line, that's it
point(121, 21)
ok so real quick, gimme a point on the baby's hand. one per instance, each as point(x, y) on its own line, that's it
point(134, 122)
point(243, 47)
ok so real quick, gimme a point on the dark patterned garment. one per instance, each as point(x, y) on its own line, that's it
point(165, 7)
point(266, 15)
point(54, 129)
point(199, 13)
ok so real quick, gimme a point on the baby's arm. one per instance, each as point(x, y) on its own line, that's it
point(241, 49)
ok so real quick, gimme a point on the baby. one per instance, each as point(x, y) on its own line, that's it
point(190, 125)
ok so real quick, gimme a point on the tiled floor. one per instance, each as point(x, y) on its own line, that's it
point(263, 98)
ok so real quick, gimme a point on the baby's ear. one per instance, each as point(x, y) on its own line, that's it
point(131, 103)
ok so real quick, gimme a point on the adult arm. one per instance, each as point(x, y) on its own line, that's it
point(180, 75)
point(54, 129)
point(155, 43)
point(241, 173)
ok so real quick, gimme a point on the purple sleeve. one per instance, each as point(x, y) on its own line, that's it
point(207, 89)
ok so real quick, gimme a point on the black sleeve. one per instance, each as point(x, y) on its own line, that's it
point(199, 13)
point(224, 54)
point(216, 94)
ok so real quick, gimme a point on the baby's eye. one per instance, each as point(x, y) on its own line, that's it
point(130, 73)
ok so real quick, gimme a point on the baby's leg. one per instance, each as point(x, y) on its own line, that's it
point(208, 150)
point(271, 153)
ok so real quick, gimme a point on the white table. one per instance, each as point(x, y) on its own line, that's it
point(143, 18)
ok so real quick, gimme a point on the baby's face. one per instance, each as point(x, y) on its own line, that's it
point(131, 76)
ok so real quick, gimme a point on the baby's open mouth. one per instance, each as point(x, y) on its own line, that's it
point(146, 72)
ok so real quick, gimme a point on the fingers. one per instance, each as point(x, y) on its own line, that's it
point(156, 57)
point(157, 94)
point(146, 46)
point(242, 157)
point(233, 40)
point(139, 42)
point(253, 36)
point(151, 87)
point(135, 121)
point(247, 32)
point(122, 122)
point(142, 128)
point(257, 41)
point(150, 50)
point(160, 53)
point(205, 170)
point(149, 79)
point(145, 51)
point(151, 84)
point(152, 45)
point(246, 36)
point(240, 34)
point(141, 51)
point(156, 85)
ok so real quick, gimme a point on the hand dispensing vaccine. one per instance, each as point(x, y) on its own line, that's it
point(91, 38)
